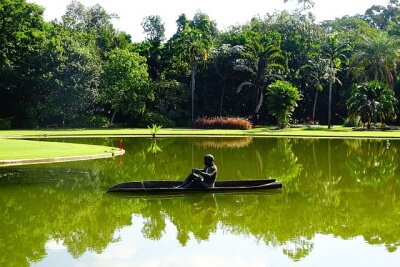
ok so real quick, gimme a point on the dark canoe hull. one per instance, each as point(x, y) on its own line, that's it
point(169, 186)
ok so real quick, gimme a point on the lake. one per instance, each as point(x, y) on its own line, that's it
point(339, 206)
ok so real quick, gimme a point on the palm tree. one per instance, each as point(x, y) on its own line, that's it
point(223, 57)
point(193, 45)
point(372, 100)
point(317, 69)
point(376, 59)
point(262, 60)
point(335, 52)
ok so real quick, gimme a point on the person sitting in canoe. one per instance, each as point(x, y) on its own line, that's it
point(202, 178)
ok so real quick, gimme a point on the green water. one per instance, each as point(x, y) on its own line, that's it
point(339, 206)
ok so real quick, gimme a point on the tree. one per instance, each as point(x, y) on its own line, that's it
point(372, 100)
point(263, 59)
point(72, 90)
point(306, 3)
point(152, 48)
point(194, 46)
point(282, 100)
point(125, 84)
point(22, 36)
point(96, 23)
point(376, 58)
point(380, 17)
point(154, 28)
point(336, 53)
point(317, 69)
point(223, 60)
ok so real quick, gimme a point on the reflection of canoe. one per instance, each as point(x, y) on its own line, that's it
point(169, 186)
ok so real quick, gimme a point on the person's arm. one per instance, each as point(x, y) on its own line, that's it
point(205, 174)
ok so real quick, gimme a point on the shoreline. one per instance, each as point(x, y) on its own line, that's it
point(17, 162)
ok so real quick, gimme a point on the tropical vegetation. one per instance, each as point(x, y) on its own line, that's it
point(80, 71)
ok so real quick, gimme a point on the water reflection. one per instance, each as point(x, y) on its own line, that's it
point(341, 188)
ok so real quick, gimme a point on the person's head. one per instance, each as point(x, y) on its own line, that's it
point(208, 159)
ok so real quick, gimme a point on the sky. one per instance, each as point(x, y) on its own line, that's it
point(225, 12)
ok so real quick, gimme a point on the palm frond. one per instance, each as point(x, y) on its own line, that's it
point(276, 76)
point(243, 68)
point(239, 88)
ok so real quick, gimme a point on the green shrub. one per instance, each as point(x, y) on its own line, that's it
point(90, 121)
point(5, 123)
point(151, 118)
point(352, 122)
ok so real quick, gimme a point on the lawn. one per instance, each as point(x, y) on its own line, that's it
point(12, 147)
point(313, 131)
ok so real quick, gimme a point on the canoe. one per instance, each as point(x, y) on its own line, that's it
point(163, 186)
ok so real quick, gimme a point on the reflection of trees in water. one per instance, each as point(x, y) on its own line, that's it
point(359, 190)
point(285, 162)
point(371, 161)
point(230, 142)
point(191, 214)
point(154, 225)
point(340, 188)
point(298, 248)
point(33, 215)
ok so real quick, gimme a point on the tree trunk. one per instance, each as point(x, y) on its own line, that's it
point(222, 98)
point(330, 96)
point(315, 105)
point(329, 105)
point(112, 118)
point(193, 85)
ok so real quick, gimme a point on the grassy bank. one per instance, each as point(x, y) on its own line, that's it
point(22, 149)
point(314, 131)
point(13, 149)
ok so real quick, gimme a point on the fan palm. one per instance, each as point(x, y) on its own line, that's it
point(376, 59)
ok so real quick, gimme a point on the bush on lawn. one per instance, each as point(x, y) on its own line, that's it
point(222, 123)
point(5, 123)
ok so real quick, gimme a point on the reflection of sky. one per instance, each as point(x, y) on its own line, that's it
point(222, 249)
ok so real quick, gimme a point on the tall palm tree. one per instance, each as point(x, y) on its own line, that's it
point(316, 69)
point(223, 58)
point(263, 61)
point(194, 45)
point(376, 59)
point(336, 53)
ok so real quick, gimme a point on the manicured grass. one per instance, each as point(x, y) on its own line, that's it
point(313, 131)
point(11, 148)
point(22, 149)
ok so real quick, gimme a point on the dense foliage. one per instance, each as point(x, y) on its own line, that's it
point(82, 72)
point(282, 99)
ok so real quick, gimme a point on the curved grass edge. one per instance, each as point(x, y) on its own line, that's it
point(21, 152)
point(59, 159)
